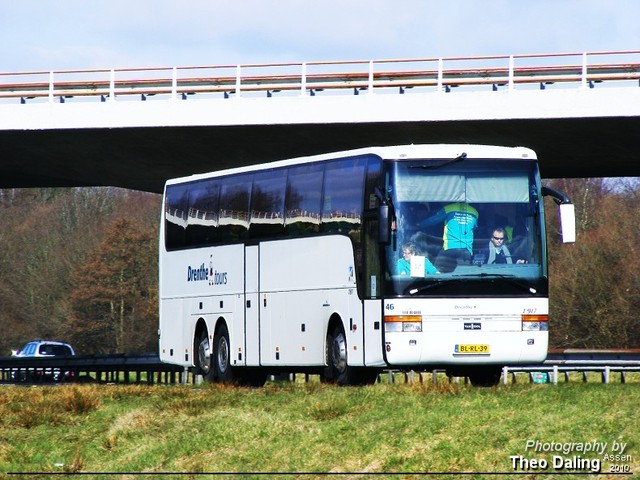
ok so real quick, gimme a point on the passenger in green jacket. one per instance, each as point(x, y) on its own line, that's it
point(460, 220)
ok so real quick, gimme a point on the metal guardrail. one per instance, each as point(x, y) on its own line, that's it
point(147, 368)
point(308, 78)
point(564, 362)
point(122, 368)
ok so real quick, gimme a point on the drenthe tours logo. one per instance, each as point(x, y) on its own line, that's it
point(204, 274)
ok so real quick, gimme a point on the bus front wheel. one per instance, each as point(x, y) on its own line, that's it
point(336, 369)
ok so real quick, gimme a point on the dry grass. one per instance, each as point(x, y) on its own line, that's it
point(418, 427)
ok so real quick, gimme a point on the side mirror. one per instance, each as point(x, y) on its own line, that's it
point(567, 215)
point(384, 225)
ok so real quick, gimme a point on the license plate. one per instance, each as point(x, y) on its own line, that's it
point(472, 348)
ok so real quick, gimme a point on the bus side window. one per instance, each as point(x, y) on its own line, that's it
point(267, 204)
point(175, 217)
point(202, 222)
point(343, 196)
point(303, 197)
point(233, 217)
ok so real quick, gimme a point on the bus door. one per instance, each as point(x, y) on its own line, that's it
point(373, 324)
point(251, 305)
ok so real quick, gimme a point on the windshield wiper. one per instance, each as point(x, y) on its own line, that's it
point(459, 158)
point(510, 278)
point(413, 290)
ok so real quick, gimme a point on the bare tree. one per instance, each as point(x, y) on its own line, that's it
point(113, 291)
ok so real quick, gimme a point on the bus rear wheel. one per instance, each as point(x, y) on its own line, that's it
point(222, 355)
point(203, 356)
point(224, 372)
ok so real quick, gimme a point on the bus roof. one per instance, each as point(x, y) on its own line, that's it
point(396, 152)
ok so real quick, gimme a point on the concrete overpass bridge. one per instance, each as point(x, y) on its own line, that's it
point(136, 127)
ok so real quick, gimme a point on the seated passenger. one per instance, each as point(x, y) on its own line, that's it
point(497, 251)
point(403, 266)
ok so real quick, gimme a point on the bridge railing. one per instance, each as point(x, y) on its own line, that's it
point(310, 78)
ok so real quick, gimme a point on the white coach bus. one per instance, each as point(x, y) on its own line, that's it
point(349, 263)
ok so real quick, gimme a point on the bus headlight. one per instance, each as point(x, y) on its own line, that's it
point(411, 326)
point(403, 323)
point(535, 323)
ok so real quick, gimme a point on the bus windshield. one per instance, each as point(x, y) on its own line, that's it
point(467, 227)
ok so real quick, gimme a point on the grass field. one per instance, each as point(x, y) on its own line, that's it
point(310, 430)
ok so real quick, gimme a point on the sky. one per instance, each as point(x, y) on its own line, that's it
point(72, 34)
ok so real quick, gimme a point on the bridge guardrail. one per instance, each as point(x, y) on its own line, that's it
point(308, 78)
